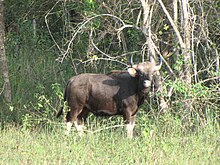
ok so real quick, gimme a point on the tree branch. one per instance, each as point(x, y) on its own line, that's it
point(80, 27)
point(182, 44)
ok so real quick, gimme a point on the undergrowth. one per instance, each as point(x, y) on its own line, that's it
point(152, 145)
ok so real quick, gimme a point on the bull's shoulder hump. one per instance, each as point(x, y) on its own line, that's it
point(118, 73)
point(123, 75)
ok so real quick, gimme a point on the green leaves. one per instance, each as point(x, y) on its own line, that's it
point(58, 90)
point(165, 28)
point(42, 111)
point(197, 90)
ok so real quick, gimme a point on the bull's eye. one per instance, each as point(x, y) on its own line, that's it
point(142, 75)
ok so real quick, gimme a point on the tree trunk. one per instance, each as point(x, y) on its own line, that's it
point(175, 11)
point(148, 6)
point(185, 45)
point(187, 55)
point(187, 37)
point(4, 66)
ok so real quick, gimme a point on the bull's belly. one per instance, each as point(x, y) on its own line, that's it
point(104, 113)
point(103, 110)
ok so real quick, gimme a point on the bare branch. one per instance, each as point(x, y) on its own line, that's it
point(101, 58)
point(182, 44)
point(2, 89)
point(46, 21)
point(91, 40)
point(81, 26)
point(161, 56)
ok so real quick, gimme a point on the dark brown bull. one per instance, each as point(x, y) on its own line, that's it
point(116, 93)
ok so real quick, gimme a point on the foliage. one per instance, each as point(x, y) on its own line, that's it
point(87, 36)
point(42, 112)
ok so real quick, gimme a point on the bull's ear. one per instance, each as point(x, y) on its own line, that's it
point(132, 72)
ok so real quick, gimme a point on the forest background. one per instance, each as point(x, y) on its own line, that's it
point(44, 43)
point(47, 42)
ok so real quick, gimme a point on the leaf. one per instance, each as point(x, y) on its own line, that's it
point(165, 27)
point(11, 108)
point(95, 57)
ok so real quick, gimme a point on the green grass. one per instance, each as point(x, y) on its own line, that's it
point(110, 146)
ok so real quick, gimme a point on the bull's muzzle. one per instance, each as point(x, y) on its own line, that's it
point(147, 83)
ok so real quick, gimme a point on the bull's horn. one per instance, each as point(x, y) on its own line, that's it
point(131, 60)
point(157, 67)
point(152, 60)
point(131, 63)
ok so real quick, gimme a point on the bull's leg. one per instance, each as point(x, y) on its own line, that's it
point(80, 120)
point(79, 127)
point(68, 128)
point(76, 116)
point(129, 123)
point(69, 122)
point(130, 126)
point(72, 117)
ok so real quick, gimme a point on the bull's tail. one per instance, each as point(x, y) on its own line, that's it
point(60, 112)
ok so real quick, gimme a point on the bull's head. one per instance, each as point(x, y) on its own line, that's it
point(144, 71)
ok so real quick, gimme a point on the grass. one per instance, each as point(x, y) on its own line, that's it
point(48, 145)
